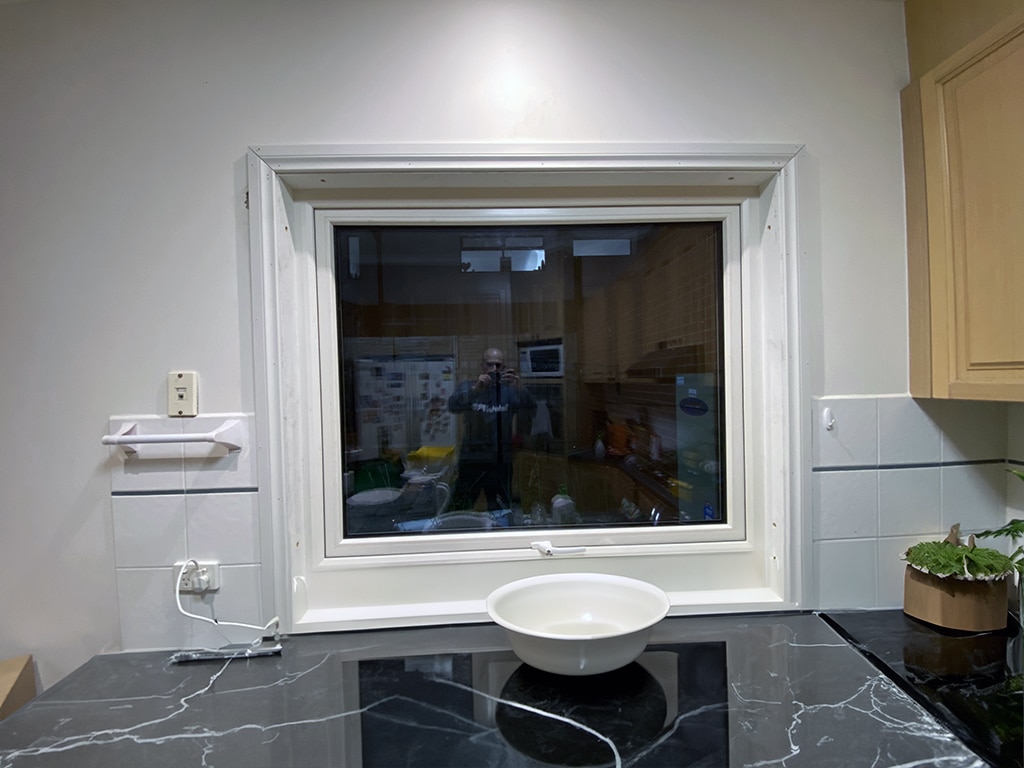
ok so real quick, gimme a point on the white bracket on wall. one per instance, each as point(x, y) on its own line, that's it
point(230, 434)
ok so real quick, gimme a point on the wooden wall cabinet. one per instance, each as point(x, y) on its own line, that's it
point(964, 163)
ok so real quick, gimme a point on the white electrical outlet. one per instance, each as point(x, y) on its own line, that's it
point(182, 393)
point(205, 578)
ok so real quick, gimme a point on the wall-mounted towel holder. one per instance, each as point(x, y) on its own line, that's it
point(230, 434)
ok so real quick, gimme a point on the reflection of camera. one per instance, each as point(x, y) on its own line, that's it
point(495, 376)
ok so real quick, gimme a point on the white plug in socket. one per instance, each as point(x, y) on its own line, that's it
point(205, 578)
point(182, 393)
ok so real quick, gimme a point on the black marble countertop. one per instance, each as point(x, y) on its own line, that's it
point(971, 681)
point(751, 690)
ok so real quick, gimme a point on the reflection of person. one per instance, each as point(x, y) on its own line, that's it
point(489, 405)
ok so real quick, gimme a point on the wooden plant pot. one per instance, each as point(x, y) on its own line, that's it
point(970, 606)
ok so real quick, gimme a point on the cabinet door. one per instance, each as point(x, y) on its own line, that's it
point(972, 115)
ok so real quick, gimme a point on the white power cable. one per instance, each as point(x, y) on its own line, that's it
point(274, 622)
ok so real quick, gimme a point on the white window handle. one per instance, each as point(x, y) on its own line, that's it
point(547, 548)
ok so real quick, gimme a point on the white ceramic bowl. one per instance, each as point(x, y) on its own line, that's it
point(578, 623)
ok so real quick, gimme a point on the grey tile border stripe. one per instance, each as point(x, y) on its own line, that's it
point(184, 492)
point(922, 465)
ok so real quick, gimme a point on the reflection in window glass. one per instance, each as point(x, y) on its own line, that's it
point(543, 376)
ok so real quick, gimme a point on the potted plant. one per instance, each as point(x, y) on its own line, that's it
point(959, 585)
point(1014, 531)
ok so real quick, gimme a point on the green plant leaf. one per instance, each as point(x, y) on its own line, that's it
point(1013, 530)
point(944, 559)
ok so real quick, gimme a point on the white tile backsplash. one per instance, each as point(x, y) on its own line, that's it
point(237, 602)
point(974, 495)
point(847, 573)
point(907, 434)
point(149, 617)
point(929, 463)
point(891, 568)
point(1014, 494)
point(894, 474)
point(1015, 432)
point(910, 501)
point(210, 467)
point(148, 530)
point(223, 527)
point(155, 467)
point(846, 504)
point(178, 501)
point(971, 431)
point(853, 439)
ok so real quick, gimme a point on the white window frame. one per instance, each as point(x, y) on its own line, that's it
point(442, 548)
point(752, 188)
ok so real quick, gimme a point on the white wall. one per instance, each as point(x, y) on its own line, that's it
point(123, 246)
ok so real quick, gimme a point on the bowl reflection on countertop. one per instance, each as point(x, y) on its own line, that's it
point(626, 706)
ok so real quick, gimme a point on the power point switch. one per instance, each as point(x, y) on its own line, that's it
point(182, 393)
point(197, 578)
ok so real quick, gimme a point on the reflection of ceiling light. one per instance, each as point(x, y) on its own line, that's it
point(604, 247)
point(495, 253)
point(353, 257)
point(527, 260)
point(481, 261)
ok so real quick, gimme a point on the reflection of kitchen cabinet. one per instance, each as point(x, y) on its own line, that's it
point(611, 330)
point(538, 305)
point(539, 316)
point(659, 320)
point(596, 356)
point(627, 305)
point(964, 150)
point(667, 299)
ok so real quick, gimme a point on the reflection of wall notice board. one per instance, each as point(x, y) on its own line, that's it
point(403, 403)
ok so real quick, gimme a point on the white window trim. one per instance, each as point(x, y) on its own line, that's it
point(516, 541)
point(286, 186)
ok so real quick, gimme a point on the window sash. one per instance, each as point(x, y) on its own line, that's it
point(495, 543)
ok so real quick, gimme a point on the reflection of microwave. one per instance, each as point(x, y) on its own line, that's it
point(544, 359)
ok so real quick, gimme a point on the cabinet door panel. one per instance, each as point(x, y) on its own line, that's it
point(972, 110)
point(985, 112)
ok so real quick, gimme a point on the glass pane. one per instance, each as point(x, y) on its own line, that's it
point(542, 376)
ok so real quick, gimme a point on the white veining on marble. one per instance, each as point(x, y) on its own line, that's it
point(288, 679)
point(473, 727)
point(173, 693)
point(132, 733)
point(792, 644)
point(882, 697)
point(541, 712)
point(113, 734)
point(667, 734)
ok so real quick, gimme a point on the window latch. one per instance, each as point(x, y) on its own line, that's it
point(547, 548)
